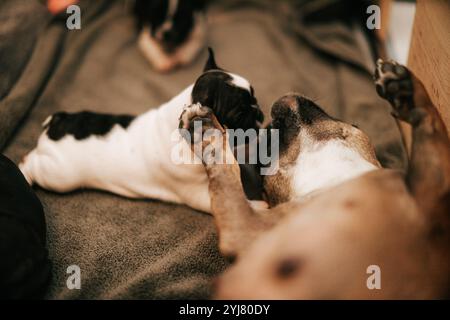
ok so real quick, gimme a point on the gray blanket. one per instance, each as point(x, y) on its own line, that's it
point(149, 249)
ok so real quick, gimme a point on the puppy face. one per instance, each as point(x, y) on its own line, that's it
point(170, 21)
point(316, 150)
point(230, 96)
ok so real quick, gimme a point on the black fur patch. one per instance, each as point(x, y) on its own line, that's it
point(154, 13)
point(151, 12)
point(233, 106)
point(84, 124)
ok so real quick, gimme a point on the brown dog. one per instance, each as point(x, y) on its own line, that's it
point(335, 215)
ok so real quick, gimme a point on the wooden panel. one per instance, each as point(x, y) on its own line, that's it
point(429, 56)
point(385, 7)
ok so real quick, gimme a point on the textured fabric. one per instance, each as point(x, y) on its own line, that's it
point(21, 22)
point(148, 249)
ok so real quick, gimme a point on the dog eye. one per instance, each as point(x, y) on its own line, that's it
point(288, 267)
point(355, 126)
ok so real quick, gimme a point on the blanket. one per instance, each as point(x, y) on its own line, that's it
point(147, 249)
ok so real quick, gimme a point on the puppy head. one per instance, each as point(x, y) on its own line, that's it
point(229, 95)
point(170, 21)
point(315, 149)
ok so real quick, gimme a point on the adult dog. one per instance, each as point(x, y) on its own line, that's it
point(335, 213)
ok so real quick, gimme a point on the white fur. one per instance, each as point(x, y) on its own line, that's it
point(183, 55)
point(239, 81)
point(133, 162)
point(321, 165)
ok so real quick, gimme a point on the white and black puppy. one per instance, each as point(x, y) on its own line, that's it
point(172, 32)
point(132, 156)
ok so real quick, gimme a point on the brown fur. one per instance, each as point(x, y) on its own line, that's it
point(321, 246)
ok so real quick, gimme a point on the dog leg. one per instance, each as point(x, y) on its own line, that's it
point(429, 169)
point(237, 222)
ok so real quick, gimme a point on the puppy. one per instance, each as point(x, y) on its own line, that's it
point(172, 32)
point(132, 156)
point(335, 214)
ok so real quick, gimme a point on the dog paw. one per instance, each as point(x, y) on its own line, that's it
point(394, 83)
point(200, 128)
point(198, 118)
point(194, 112)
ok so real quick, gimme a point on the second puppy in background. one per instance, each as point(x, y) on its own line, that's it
point(172, 32)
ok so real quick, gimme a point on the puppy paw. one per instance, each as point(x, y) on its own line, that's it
point(199, 127)
point(200, 114)
point(394, 83)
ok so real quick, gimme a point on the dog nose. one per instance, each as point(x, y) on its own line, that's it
point(288, 103)
point(291, 101)
point(295, 101)
point(295, 106)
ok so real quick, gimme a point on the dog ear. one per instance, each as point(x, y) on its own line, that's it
point(211, 62)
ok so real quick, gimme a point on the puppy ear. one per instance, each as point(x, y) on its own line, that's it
point(211, 62)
